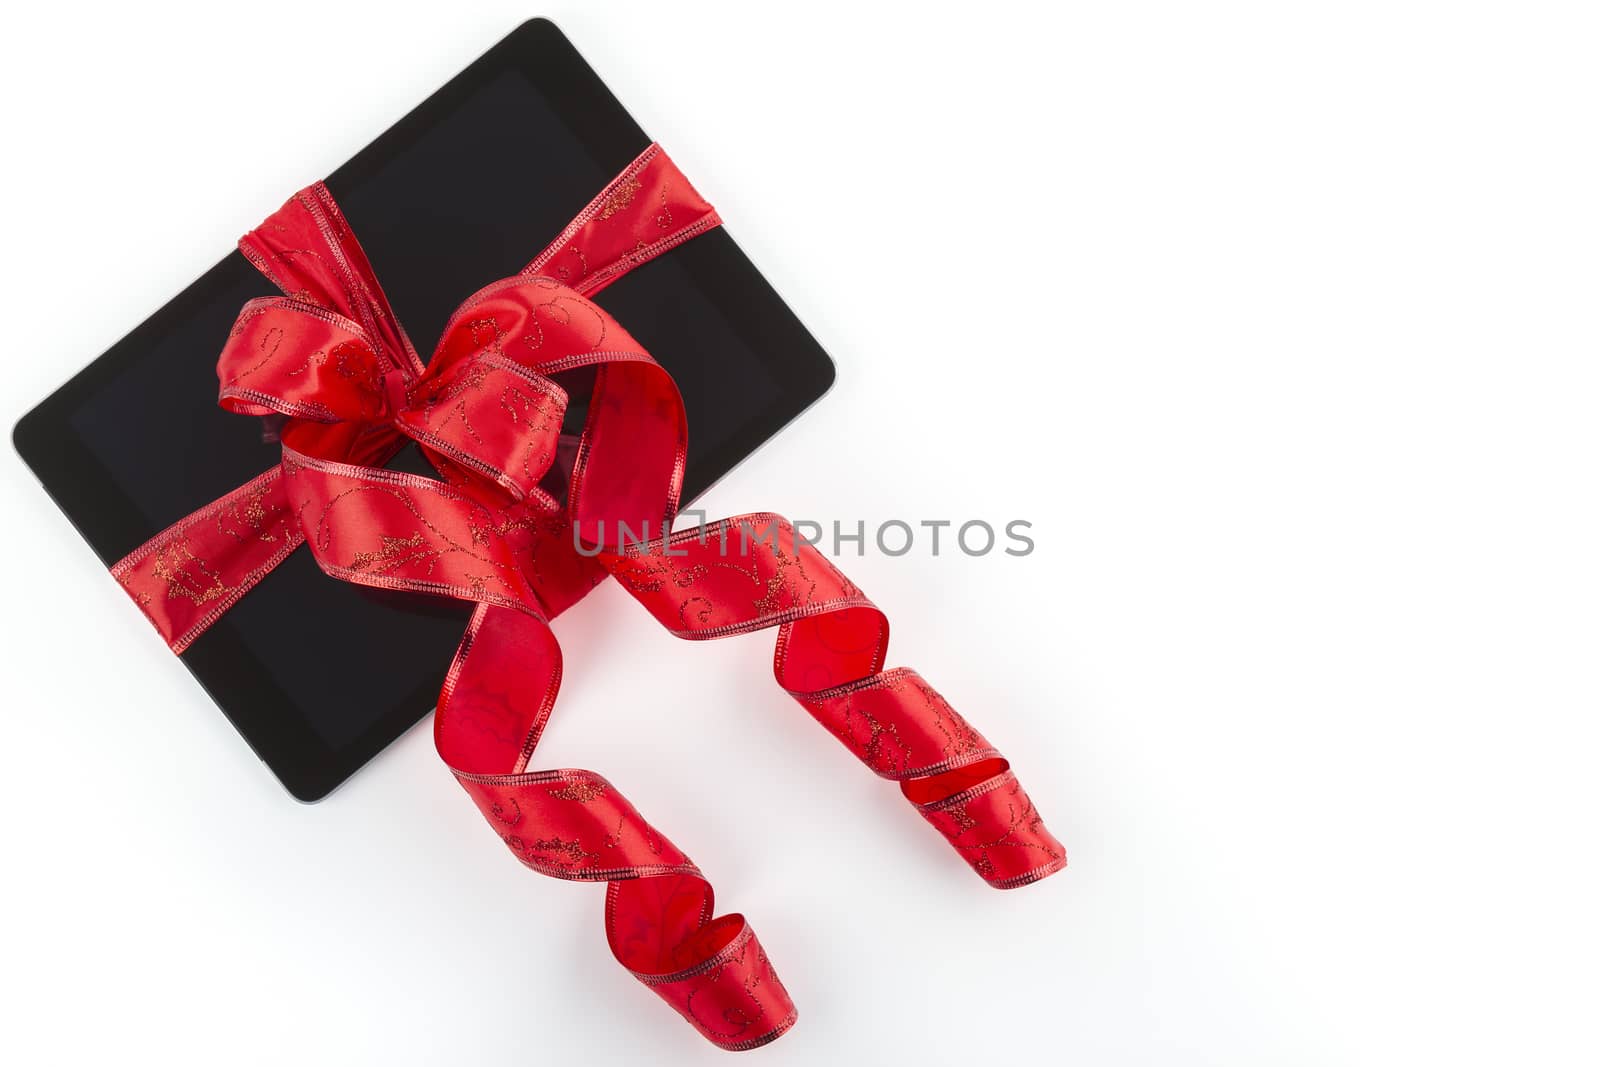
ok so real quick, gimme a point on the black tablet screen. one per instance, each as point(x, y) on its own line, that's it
point(465, 190)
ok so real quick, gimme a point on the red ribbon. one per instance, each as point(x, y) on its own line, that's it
point(330, 355)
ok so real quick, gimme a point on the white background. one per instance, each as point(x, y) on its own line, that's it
point(1278, 321)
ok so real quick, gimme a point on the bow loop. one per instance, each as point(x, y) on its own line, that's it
point(536, 321)
point(307, 249)
point(486, 402)
point(292, 358)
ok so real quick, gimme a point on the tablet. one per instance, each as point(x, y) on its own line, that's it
point(319, 675)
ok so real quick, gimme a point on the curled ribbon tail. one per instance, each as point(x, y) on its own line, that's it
point(487, 416)
point(752, 572)
point(575, 825)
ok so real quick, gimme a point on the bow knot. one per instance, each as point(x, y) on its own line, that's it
point(480, 409)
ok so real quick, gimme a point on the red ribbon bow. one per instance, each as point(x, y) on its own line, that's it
point(331, 356)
